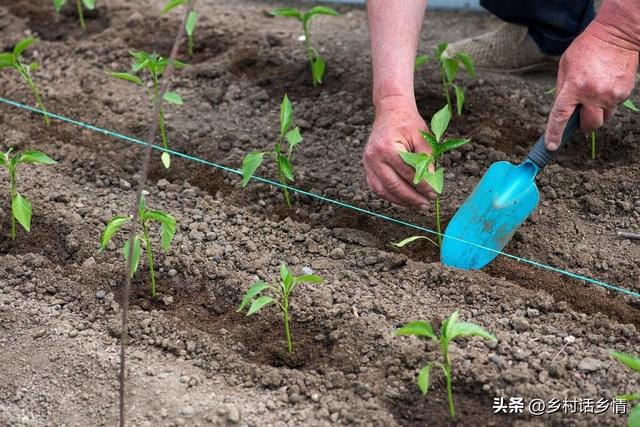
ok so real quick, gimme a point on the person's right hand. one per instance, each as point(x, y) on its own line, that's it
point(396, 128)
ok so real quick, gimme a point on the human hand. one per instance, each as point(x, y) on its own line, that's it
point(598, 72)
point(396, 128)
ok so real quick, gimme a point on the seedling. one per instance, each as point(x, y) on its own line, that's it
point(192, 19)
point(89, 4)
point(423, 163)
point(282, 158)
point(155, 66)
point(20, 206)
point(167, 228)
point(316, 62)
point(14, 60)
point(634, 364)
point(256, 299)
point(592, 135)
point(451, 330)
point(449, 67)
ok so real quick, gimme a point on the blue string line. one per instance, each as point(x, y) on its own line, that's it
point(322, 198)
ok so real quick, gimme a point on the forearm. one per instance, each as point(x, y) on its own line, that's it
point(394, 28)
point(620, 18)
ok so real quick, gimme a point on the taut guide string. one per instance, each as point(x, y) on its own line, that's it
point(384, 217)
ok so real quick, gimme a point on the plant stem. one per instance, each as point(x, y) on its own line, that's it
point(287, 330)
point(310, 53)
point(147, 246)
point(438, 225)
point(445, 88)
point(448, 374)
point(12, 177)
point(80, 14)
point(34, 90)
point(593, 145)
point(190, 41)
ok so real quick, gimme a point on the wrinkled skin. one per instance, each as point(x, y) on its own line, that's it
point(396, 128)
point(598, 72)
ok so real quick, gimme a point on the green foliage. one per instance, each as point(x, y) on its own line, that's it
point(13, 59)
point(449, 67)
point(316, 62)
point(192, 19)
point(283, 157)
point(21, 207)
point(278, 294)
point(89, 4)
point(450, 330)
point(632, 363)
point(145, 217)
point(427, 166)
point(153, 66)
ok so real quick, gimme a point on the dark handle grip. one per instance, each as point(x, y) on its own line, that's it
point(539, 153)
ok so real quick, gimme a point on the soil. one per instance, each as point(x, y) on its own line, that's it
point(192, 360)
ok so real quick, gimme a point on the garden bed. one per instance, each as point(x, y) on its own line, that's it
point(193, 360)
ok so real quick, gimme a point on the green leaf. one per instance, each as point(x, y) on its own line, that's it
point(452, 144)
point(629, 397)
point(251, 293)
point(447, 325)
point(631, 361)
point(286, 116)
point(112, 227)
point(192, 20)
point(435, 180)
point(258, 304)
point(550, 91)
point(172, 4)
point(293, 138)
point(36, 157)
point(7, 60)
point(250, 164)
point(411, 239)
point(431, 140)
point(285, 167)
point(440, 122)
point(630, 105)
point(308, 278)
point(167, 225)
point(423, 379)
point(420, 61)
point(22, 45)
point(320, 10)
point(286, 277)
point(287, 11)
point(419, 329)
point(57, 4)
point(166, 160)
point(467, 329)
point(413, 159)
point(135, 261)
point(317, 70)
point(89, 4)
point(467, 62)
point(127, 77)
point(450, 67)
point(634, 417)
point(34, 66)
point(440, 50)
point(173, 98)
point(21, 209)
point(459, 98)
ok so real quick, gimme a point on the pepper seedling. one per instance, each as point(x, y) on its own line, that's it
point(634, 364)
point(282, 158)
point(21, 207)
point(167, 230)
point(450, 330)
point(89, 4)
point(192, 19)
point(154, 65)
point(449, 67)
point(255, 299)
point(422, 162)
point(316, 62)
point(13, 60)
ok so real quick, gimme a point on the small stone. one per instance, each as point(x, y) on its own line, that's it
point(124, 184)
point(73, 333)
point(101, 294)
point(146, 322)
point(233, 416)
point(173, 272)
point(533, 312)
point(187, 411)
point(167, 300)
point(569, 339)
point(589, 364)
point(520, 324)
point(337, 253)
point(307, 270)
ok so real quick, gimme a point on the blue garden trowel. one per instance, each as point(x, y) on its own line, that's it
point(500, 203)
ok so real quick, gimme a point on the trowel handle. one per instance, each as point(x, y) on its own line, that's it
point(539, 153)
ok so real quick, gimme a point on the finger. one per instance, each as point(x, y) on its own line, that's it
point(563, 107)
point(591, 118)
point(609, 112)
point(390, 186)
